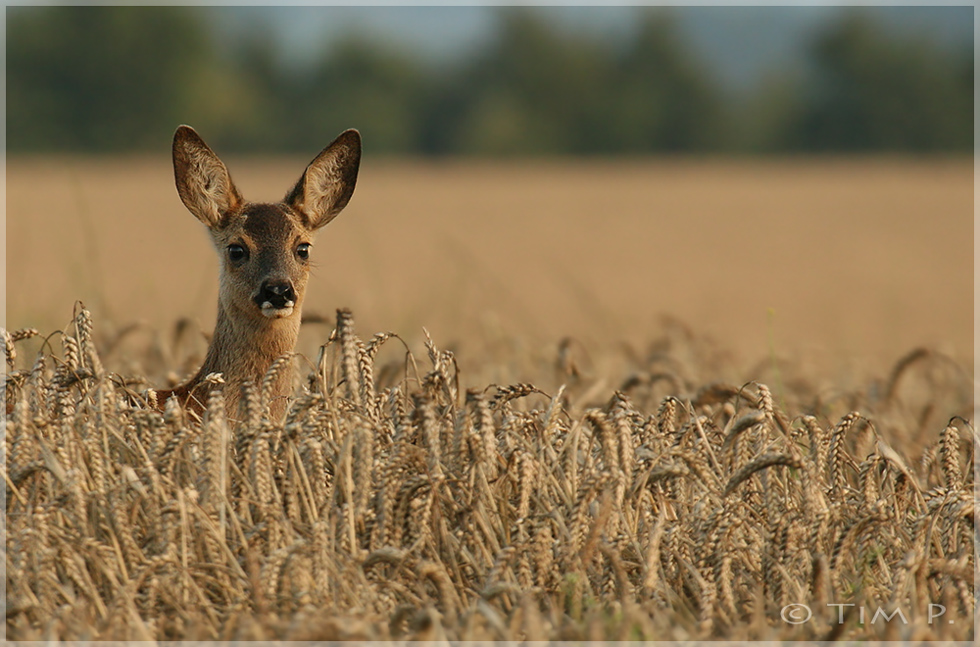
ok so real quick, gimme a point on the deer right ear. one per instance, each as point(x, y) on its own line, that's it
point(328, 182)
point(203, 182)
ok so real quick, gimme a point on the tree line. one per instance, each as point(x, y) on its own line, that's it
point(121, 78)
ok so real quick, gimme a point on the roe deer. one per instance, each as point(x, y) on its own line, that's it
point(265, 261)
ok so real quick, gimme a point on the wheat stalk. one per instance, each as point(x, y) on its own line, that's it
point(407, 512)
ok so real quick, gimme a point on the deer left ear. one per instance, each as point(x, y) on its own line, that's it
point(328, 182)
point(203, 182)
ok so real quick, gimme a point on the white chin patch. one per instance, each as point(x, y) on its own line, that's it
point(273, 312)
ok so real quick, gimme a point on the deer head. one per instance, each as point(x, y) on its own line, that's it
point(265, 251)
point(264, 248)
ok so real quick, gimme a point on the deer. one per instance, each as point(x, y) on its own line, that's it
point(265, 251)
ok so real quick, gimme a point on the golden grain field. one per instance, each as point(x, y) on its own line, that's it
point(844, 263)
point(655, 400)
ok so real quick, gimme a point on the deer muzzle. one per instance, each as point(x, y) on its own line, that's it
point(276, 299)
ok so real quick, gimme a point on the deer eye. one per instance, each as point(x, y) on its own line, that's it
point(237, 252)
point(303, 251)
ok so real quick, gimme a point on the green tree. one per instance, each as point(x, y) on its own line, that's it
point(247, 102)
point(534, 90)
point(872, 91)
point(121, 78)
point(358, 85)
point(101, 78)
point(662, 98)
point(540, 90)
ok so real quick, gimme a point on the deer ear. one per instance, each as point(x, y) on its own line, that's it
point(328, 182)
point(203, 182)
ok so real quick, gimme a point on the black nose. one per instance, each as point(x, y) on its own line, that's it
point(279, 294)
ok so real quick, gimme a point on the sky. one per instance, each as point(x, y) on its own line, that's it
point(741, 44)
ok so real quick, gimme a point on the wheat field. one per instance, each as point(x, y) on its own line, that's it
point(795, 437)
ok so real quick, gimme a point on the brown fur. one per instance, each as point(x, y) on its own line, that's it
point(245, 340)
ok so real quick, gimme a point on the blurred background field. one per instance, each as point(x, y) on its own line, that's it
point(851, 263)
point(786, 181)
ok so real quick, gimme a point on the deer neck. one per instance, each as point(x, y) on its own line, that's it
point(242, 349)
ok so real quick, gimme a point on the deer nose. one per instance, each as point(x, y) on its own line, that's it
point(277, 294)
